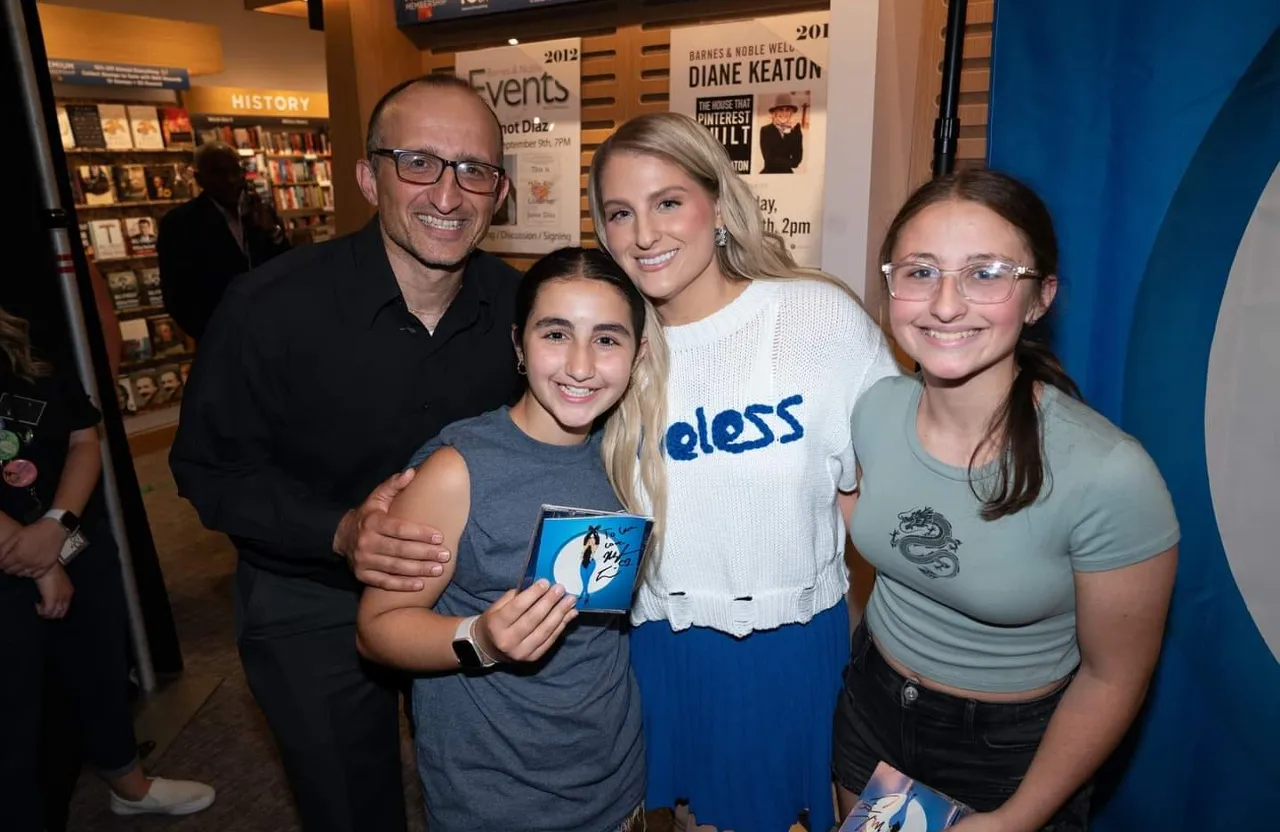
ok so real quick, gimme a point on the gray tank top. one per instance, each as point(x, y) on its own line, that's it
point(553, 746)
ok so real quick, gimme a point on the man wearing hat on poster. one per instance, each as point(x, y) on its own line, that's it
point(781, 142)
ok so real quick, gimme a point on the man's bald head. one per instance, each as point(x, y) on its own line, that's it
point(438, 81)
point(219, 174)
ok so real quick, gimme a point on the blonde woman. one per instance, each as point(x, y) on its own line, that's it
point(741, 628)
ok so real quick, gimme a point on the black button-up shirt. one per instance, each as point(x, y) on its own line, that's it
point(314, 383)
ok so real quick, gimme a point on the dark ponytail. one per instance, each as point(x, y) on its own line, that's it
point(1017, 424)
point(1015, 430)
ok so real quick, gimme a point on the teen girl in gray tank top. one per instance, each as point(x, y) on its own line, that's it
point(547, 735)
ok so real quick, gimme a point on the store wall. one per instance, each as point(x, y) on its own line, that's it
point(259, 50)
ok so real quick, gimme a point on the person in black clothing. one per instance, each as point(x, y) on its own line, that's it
point(320, 374)
point(204, 243)
point(781, 142)
point(61, 597)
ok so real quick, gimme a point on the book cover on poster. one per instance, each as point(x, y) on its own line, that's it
point(894, 801)
point(594, 555)
point(108, 239)
point(141, 233)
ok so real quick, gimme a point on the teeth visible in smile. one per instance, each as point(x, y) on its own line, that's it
point(951, 336)
point(656, 260)
point(576, 391)
point(438, 222)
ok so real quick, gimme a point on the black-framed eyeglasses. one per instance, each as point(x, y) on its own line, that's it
point(418, 167)
point(989, 282)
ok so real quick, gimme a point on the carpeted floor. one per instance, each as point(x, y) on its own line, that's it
point(226, 744)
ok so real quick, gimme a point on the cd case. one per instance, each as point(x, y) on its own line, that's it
point(595, 555)
point(893, 801)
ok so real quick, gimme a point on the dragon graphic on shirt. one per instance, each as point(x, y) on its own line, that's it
point(924, 537)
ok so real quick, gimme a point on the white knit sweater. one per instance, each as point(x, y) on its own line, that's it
point(759, 403)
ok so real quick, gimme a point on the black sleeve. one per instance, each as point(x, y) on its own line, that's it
point(769, 141)
point(222, 456)
point(798, 156)
point(77, 405)
point(179, 277)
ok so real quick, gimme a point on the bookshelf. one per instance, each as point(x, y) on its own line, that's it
point(287, 161)
point(130, 161)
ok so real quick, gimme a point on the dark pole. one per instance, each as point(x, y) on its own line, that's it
point(946, 129)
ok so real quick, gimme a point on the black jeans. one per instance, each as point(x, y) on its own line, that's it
point(87, 653)
point(974, 752)
point(334, 716)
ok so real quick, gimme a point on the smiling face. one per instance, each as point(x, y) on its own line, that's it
point(782, 116)
point(436, 225)
point(660, 227)
point(579, 348)
point(953, 339)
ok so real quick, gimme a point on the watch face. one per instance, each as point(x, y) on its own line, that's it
point(467, 655)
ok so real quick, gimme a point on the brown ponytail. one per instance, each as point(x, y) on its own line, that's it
point(1015, 427)
point(15, 349)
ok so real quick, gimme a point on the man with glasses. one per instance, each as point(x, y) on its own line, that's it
point(321, 373)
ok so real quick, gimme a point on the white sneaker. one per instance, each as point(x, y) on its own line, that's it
point(166, 797)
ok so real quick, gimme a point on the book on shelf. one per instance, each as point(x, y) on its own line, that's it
point(184, 181)
point(144, 122)
point(176, 126)
point(86, 126)
point(108, 239)
point(149, 293)
point(125, 292)
point(145, 386)
point(160, 181)
point(184, 370)
point(166, 338)
point(135, 341)
point(95, 184)
point(131, 183)
point(169, 382)
point(86, 242)
point(893, 801)
point(64, 129)
point(141, 234)
point(124, 396)
point(595, 555)
point(115, 126)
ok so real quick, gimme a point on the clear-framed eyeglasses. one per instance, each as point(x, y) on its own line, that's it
point(418, 167)
point(989, 282)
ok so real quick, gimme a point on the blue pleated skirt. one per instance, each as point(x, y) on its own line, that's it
point(740, 728)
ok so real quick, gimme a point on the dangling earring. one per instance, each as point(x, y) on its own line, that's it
point(520, 368)
point(722, 236)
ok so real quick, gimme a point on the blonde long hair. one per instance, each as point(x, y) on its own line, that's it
point(631, 447)
point(752, 252)
point(15, 344)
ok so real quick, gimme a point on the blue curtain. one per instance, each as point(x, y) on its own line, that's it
point(1151, 128)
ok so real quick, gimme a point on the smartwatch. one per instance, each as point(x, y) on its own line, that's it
point(469, 654)
point(67, 520)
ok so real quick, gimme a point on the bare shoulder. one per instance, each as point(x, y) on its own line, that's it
point(440, 493)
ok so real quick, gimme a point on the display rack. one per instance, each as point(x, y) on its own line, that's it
point(288, 162)
point(130, 161)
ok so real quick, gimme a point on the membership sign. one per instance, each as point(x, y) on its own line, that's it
point(760, 87)
point(535, 88)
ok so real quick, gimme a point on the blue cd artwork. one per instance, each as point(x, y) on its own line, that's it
point(594, 556)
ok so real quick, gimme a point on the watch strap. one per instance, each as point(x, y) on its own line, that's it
point(68, 521)
point(464, 633)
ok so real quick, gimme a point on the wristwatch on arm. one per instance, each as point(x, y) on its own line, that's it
point(469, 654)
point(70, 524)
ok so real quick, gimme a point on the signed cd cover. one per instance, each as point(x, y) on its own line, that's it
point(594, 555)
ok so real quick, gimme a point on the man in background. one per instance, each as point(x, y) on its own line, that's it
point(204, 243)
